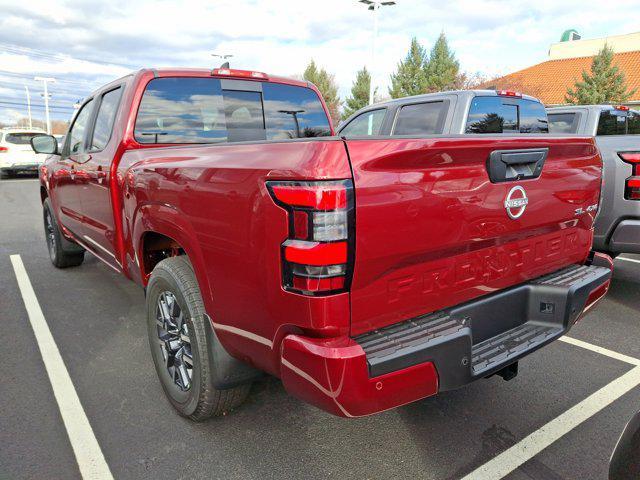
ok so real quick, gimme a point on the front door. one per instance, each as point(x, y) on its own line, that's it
point(68, 174)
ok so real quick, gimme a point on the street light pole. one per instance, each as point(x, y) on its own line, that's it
point(374, 6)
point(294, 114)
point(29, 106)
point(45, 81)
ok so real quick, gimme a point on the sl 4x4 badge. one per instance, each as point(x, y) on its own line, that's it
point(516, 202)
point(590, 208)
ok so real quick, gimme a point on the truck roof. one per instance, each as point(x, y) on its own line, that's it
point(218, 72)
point(208, 72)
point(568, 108)
point(428, 96)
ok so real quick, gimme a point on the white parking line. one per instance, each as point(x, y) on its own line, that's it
point(601, 351)
point(83, 441)
point(506, 462)
point(628, 259)
point(530, 446)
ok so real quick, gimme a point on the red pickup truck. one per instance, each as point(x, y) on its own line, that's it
point(366, 272)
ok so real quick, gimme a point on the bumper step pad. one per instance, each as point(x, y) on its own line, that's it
point(500, 349)
point(479, 338)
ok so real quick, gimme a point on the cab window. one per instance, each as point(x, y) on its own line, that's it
point(367, 123)
point(77, 133)
point(421, 119)
point(105, 118)
point(618, 122)
point(563, 122)
point(208, 110)
point(495, 114)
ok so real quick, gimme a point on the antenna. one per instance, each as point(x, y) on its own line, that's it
point(223, 56)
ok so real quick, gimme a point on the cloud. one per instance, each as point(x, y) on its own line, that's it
point(89, 42)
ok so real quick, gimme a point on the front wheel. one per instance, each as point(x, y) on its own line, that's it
point(62, 252)
point(177, 327)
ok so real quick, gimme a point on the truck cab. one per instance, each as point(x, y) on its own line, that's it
point(450, 113)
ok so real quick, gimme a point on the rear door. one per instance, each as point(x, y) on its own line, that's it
point(98, 226)
point(440, 221)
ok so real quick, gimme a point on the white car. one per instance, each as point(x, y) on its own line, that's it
point(16, 154)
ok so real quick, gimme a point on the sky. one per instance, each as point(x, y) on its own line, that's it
point(84, 44)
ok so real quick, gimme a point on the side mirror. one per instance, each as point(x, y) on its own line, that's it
point(625, 461)
point(45, 144)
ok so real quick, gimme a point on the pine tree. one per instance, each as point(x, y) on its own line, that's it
point(605, 83)
point(441, 69)
point(359, 93)
point(327, 85)
point(410, 78)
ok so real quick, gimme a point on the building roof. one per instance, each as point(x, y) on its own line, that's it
point(549, 80)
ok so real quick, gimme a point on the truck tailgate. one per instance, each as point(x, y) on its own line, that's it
point(433, 229)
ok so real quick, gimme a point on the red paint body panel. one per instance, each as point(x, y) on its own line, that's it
point(333, 375)
point(214, 202)
point(431, 232)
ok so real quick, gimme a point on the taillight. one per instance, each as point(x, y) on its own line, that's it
point(317, 256)
point(632, 184)
point(4, 149)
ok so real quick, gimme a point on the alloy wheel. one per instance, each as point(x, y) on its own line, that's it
point(173, 337)
point(50, 233)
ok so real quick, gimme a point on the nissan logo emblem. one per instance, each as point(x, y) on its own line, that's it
point(516, 202)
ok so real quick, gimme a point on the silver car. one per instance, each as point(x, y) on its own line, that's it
point(617, 132)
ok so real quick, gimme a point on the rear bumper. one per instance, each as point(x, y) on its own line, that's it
point(20, 167)
point(626, 237)
point(414, 359)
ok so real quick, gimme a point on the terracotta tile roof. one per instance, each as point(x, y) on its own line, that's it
point(549, 80)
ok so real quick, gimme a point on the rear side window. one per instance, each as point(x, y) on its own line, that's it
point(206, 110)
point(104, 120)
point(367, 123)
point(421, 119)
point(506, 115)
point(617, 122)
point(20, 138)
point(563, 122)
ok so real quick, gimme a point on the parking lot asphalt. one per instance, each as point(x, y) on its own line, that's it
point(96, 318)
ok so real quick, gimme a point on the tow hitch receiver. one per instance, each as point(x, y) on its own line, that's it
point(509, 372)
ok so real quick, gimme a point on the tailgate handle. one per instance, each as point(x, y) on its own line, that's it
point(513, 165)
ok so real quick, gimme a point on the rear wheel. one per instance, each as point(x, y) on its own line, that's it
point(177, 327)
point(62, 252)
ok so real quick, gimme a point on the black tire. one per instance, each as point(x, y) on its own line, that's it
point(174, 281)
point(62, 252)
